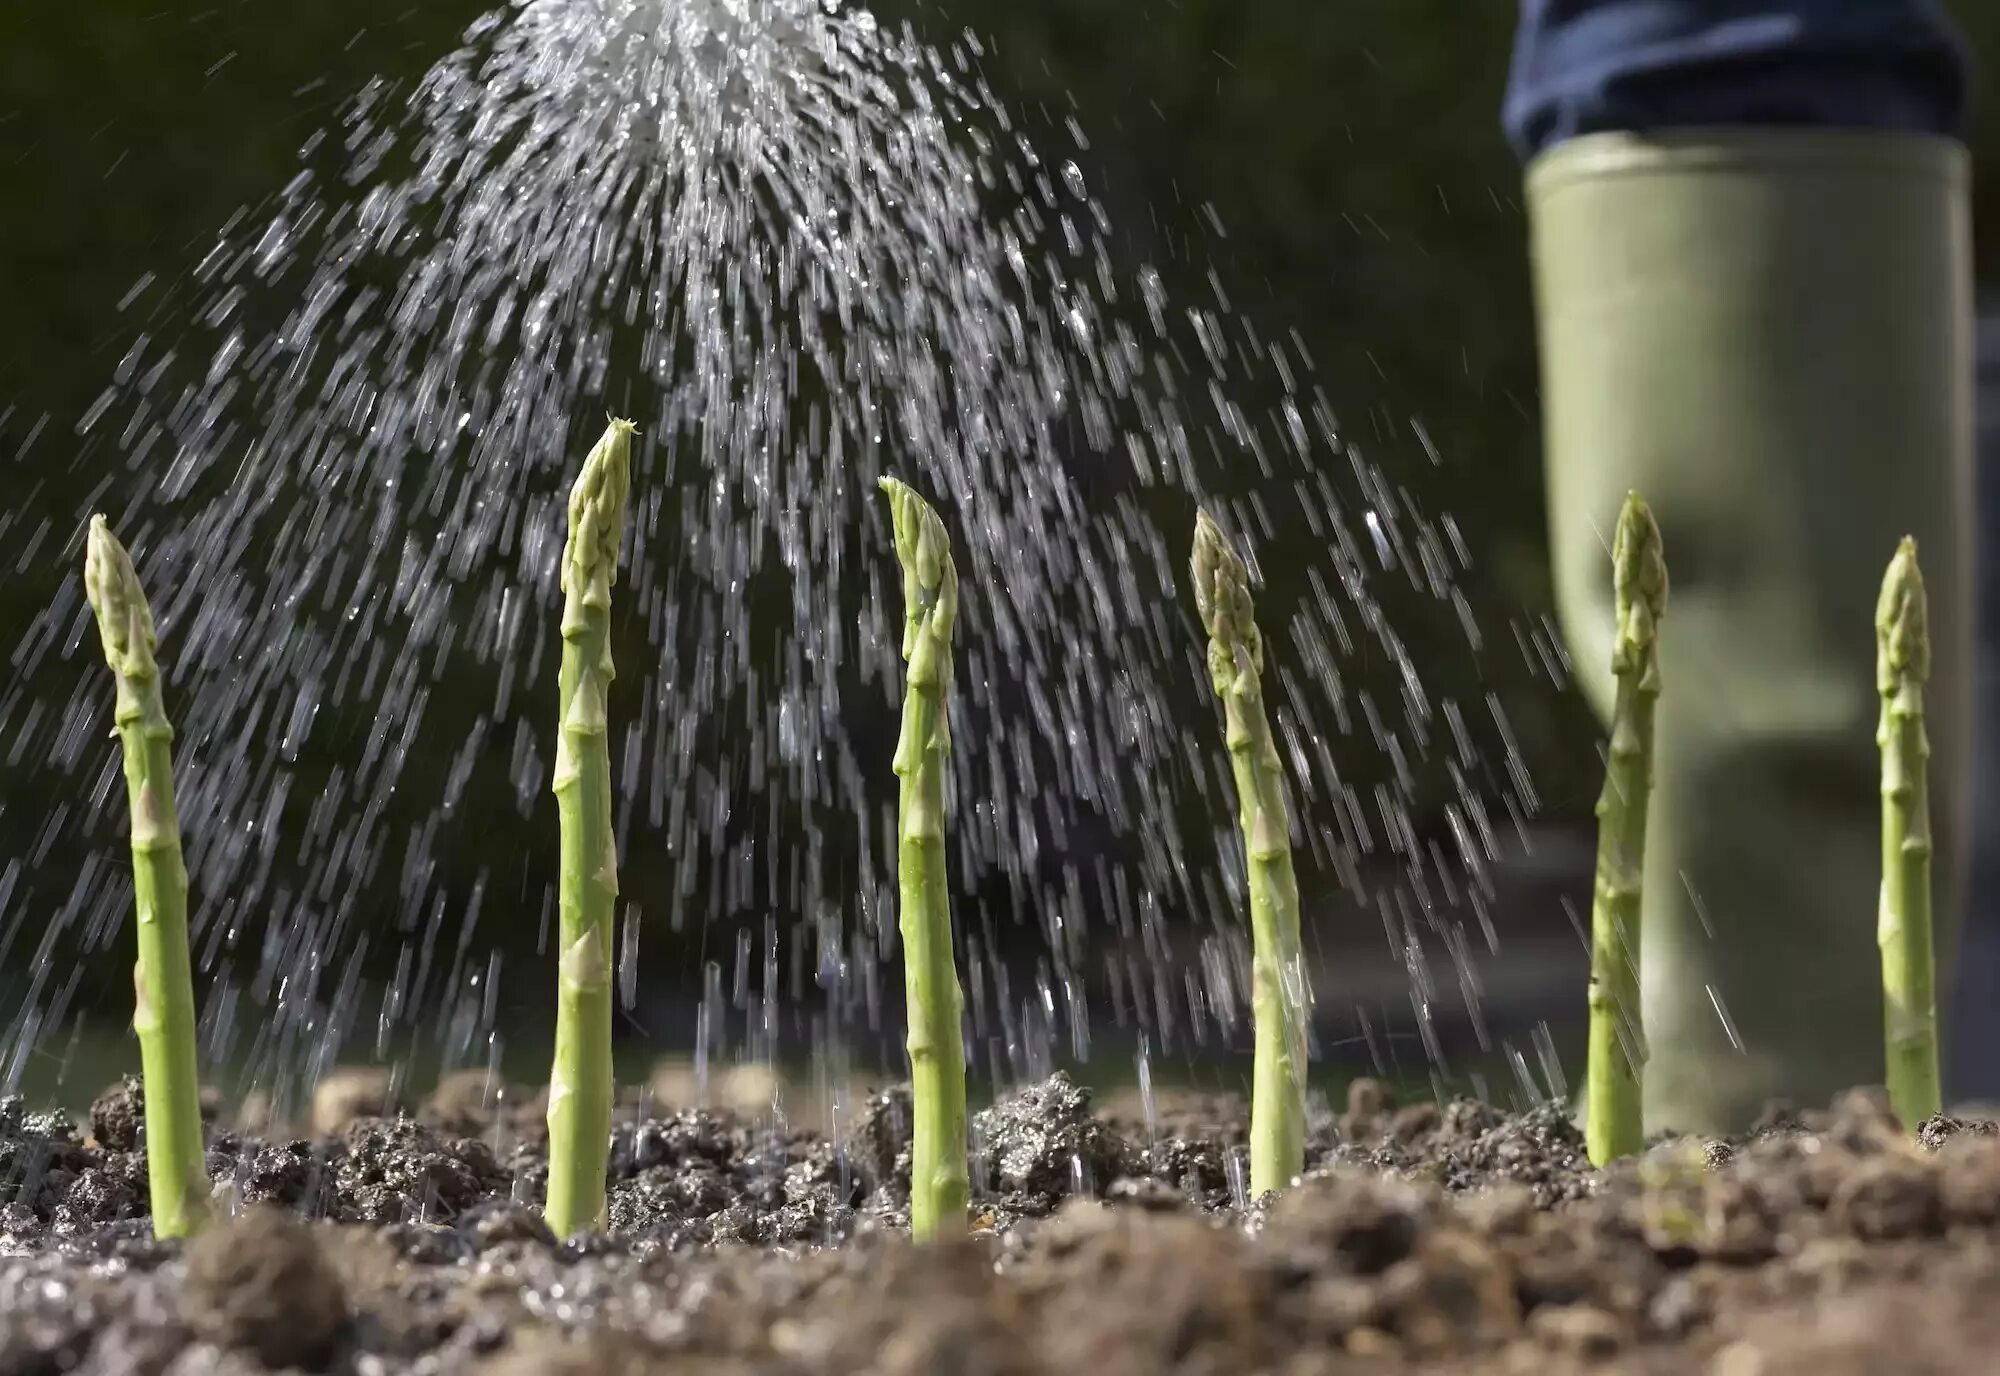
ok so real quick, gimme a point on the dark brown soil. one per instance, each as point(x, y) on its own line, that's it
point(1425, 1238)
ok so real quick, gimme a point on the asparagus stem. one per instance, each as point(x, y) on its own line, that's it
point(1279, 997)
point(1902, 664)
point(1615, 1123)
point(580, 1084)
point(939, 1185)
point(162, 981)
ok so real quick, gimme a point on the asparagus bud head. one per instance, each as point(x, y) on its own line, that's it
point(930, 580)
point(124, 621)
point(1902, 629)
point(1639, 579)
point(1222, 597)
point(596, 520)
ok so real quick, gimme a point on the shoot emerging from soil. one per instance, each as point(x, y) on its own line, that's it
point(1615, 1120)
point(1902, 664)
point(939, 1185)
point(162, 980)
point(580, 1085)
point(1278, 994)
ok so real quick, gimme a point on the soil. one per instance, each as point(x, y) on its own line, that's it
point(1426, 1237)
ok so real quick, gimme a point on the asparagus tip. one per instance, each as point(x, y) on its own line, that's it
point(903, 505)
point(597, 509)
point(1639, 579)
point(923, 549)
point(908, 512)
point(1902, 631)
point(1639, 556)
point(1222, 597)
point(1221, 580)
point(111, 584)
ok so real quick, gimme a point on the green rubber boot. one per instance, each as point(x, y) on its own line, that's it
point(1768, 334)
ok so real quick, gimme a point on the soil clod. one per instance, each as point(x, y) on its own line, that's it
point(118, 1113)
point(261, 1282)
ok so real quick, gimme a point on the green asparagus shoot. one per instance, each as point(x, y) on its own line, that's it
point(162, 980)
point(1615, 1119)
point(1280, 999)
point(939, 1185)
point(1902, 665)
point(580, 1085)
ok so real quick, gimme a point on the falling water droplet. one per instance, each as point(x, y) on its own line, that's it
point(1699, 906)
point(1236, 1169)
point(1146, 1107)
point(1722, 1015)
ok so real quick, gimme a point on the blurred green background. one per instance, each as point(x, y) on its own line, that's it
point(1349, 151)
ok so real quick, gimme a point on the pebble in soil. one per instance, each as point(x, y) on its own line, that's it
point(1424, 1237)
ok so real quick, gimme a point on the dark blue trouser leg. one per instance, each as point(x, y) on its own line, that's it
point(1581, 66)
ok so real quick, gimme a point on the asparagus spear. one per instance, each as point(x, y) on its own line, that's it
point(162, 981)
point(1279, 996)
point(1615, 1121)
point(1902, 664)
point(939, 1186)
point(580, 1085)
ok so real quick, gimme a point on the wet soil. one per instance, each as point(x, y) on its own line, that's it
point(1426, 1237)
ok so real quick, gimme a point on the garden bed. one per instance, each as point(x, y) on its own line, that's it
point(1426, 1238)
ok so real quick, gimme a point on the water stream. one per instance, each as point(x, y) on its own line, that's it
point(800, 250)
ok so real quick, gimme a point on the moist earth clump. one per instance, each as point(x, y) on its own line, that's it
point(260, 1283)
point(117, 1114)
point(1422, 1237)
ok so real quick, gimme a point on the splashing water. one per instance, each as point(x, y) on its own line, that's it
point(800, 251)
